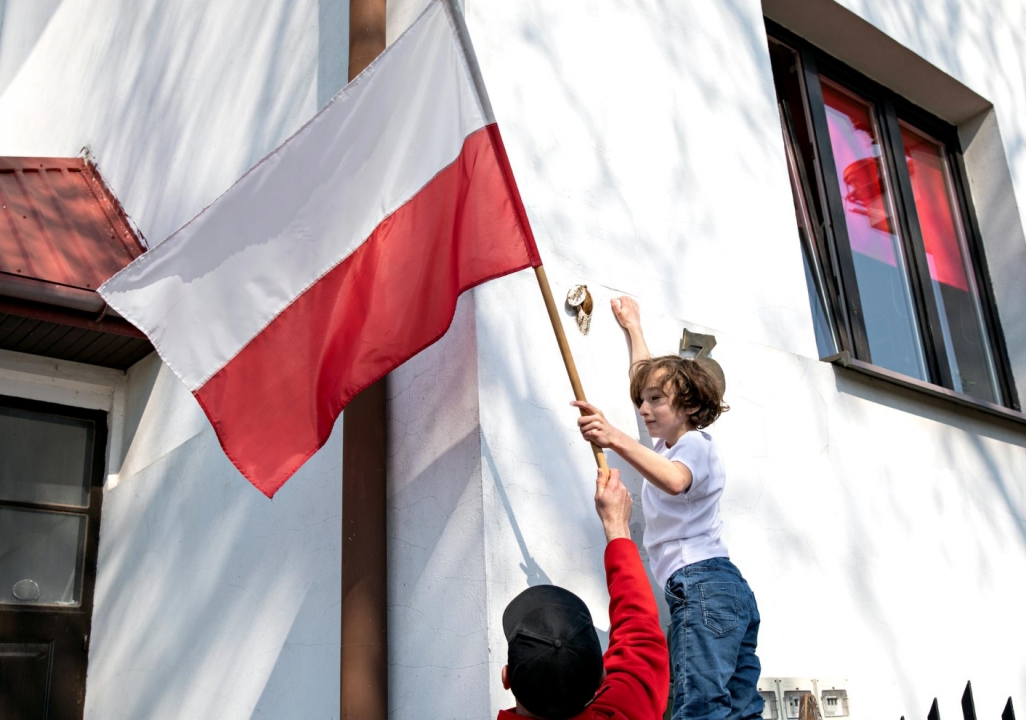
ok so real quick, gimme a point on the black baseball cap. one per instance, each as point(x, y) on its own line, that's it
point(555, 659)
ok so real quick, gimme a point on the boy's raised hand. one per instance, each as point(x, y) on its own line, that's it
point(627, 312)
point(613, 503)
point(594, 426)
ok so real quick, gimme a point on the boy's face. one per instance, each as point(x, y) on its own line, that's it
point(662, 420)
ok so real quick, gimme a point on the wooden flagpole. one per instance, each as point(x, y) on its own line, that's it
point(564, 350)
point(456, 13)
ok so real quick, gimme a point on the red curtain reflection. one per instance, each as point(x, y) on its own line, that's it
point(857, 157)
point(856, 151)
point(937, 219)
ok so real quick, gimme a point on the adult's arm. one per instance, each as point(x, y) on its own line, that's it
point(637, 662)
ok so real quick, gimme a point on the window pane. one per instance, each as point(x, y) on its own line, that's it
point(796, 136)
point(44, 458)
point(965, 341)
point(821, 324)
point(40, 556)
point(880, 267)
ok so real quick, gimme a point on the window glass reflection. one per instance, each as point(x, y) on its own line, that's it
point(965, 342)
point(40, 557)
point(880, 266)
point(45, 458)
point(796, 135)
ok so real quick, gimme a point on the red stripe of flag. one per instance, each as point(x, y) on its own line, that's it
point(274, 404)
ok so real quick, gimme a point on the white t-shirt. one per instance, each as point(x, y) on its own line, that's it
point(686, 528)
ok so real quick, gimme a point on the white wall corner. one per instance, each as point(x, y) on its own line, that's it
point(1001, 228)
point(437, 585)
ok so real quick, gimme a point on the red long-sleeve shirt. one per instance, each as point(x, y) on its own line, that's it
point(637, 662)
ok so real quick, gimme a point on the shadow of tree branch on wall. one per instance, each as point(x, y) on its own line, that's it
point(211, 600)
point(534, 573)
point(175, 100)
point(25, 23)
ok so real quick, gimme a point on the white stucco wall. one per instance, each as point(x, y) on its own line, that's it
point(883, 532)
point(174, 100)
point(437, 583)
point(211, 600)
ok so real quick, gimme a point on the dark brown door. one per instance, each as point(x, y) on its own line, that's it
point(51, 487)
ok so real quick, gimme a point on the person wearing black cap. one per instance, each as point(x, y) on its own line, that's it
point(555, 665)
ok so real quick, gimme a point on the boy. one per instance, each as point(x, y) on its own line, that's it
point(714, 619)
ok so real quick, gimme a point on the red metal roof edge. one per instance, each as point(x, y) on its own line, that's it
point(131, 235)
point(40, 163)
point(43, 292)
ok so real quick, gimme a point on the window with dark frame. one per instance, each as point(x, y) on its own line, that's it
point(51, 492)
point(893, 261)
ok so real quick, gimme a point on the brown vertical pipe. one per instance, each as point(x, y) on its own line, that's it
point(364, 661)
point(366, 33)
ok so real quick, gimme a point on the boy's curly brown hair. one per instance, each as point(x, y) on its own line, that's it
point(688, 383)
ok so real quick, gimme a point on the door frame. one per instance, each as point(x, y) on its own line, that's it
point(84, 388)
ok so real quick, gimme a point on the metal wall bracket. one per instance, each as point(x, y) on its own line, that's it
point(696, 345)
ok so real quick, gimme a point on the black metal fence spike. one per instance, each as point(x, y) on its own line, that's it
point(934, 711)
point(968, 706)
point(1009, 713)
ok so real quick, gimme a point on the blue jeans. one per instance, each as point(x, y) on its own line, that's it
point(714, 628)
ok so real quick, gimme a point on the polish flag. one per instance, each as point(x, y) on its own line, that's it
point(339, 256)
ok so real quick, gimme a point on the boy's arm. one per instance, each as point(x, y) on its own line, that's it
point(667, 475)
point(628, 314)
